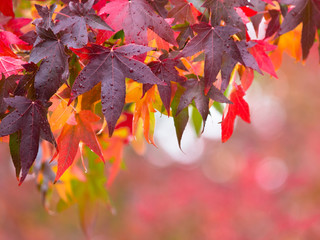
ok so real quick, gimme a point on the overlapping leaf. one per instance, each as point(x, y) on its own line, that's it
point(165, 70)
point(70, 137)
point(225, 10)
point(54, 69)
point(216, 42)
point(239, 108)
point(195, 92)
point(7, 87)
point(183, 11)
point(111, 67)
point(306, 12)
point(74, 20)
point(29, 118)
point(135, 17)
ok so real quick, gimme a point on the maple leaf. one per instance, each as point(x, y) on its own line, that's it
point(26, 80)
point(6, 8)
point(144, 110)
point(111, 67)
point(306, 12)
point(236, 51)
point(74, 19)
point(54, 68)
point(159, 7)
point(7, 87)
point(29, 117)
point(225, 10)
point(195, 92)
point(239, 108)
point(10, 65)
point(46, 16)
point(180, 120)
point(274, 23)
point(216, 41)
point(14, 25)
point(165, 70)
point(185, 32)
point(134, 17)
point(183, 11)
point(8, 38)
point(263, 60)
point(70, 137)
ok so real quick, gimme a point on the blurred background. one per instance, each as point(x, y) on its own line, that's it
point(264, 183)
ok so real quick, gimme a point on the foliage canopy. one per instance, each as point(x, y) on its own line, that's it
point(93, 73)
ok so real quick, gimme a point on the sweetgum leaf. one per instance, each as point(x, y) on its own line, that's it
point(46, 16)
point(6, 8)
point(7, 87)
point(135, 17)
point(180, 120)
point(111, 67)
point(71, 135)
point(306, 12)
point(183, 11)
point(14, 144)
point(159, 7)
point(274, 23)
point(74, 20)
point(216, 42)
point(26, 80)
point(165, 70)
point(29, 117)
point(195, 92)
point(225, 10)
point(239, 108)
point(185, 32)
point(54, 69)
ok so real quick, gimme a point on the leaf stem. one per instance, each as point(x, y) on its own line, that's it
point(62, 14)
point(74, 109)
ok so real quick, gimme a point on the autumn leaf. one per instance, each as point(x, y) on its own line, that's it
point(259, 52)
point(135, 17)
point(183, 11)
point(165, 70)
point(111, 67)
point(7, 87)
point(144, 111)
point(6, 8)
point(225, 10)
point(29, 117)
point(10, 65)
point(74, 19)
point(239, 108)
point(306, 12)
point(54, 68)
point(216, 42)
point(70, 137)
point(195, 92)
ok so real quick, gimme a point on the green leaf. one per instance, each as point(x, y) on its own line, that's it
point(196, 120)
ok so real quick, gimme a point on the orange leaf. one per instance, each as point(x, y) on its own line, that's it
point(144, 110)
point(71, 135)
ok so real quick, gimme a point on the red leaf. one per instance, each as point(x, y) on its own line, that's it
point(262, 58)
point(10, 65)
point(227, 124)
point(246, 77)
point(248, 11)
point(6, 8)
point(239, 108)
